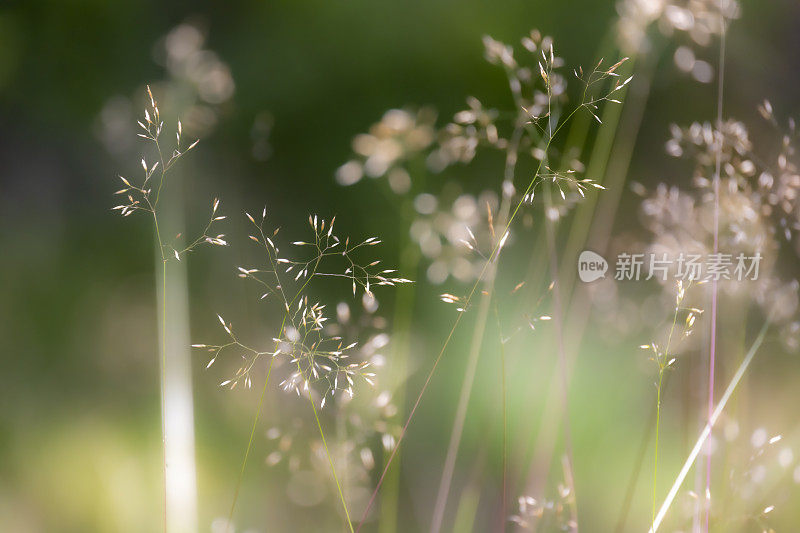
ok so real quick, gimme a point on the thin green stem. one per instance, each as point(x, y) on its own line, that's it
point(504, 393)
point(563, 364)
point(490, 260)
point(658, 425)
point(461, 411)
point(660, 359)
point(477, 342)
point(706, 432)
point(468, 300)
point(249, 445)
point(403, 318)
point(163, 171)
point(713, 343)
point(316, 416)
point(287, 305)
point(330, 461)
point(252, 433)
point(164, 374)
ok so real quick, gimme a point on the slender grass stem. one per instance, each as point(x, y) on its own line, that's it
point(662, 366)
point(638, 463)
point(658, 426)
point(704, 434)
point(504, 407)
point(163, 369)
point(446, 343)
point(717, 166)
point(408, 421)
point(562, 361)
point(461, 415)
point(164, 376)
point(477, 342)
point(330, 461)
point(249, 443)
point(468, 505)
point(403, 318)
point(582, 221)
point(553, 128)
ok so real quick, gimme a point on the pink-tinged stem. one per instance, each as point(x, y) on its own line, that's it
point(713, 346)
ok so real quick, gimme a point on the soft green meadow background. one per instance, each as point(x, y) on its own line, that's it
point(79, 405)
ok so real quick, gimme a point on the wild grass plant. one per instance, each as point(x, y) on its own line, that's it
point(144, 196)
point(462, 148)
point(664, 357)
point(541, 193)
point(537, 94)
point(322, 366)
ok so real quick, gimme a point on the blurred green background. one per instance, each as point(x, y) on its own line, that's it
point(79, 416)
